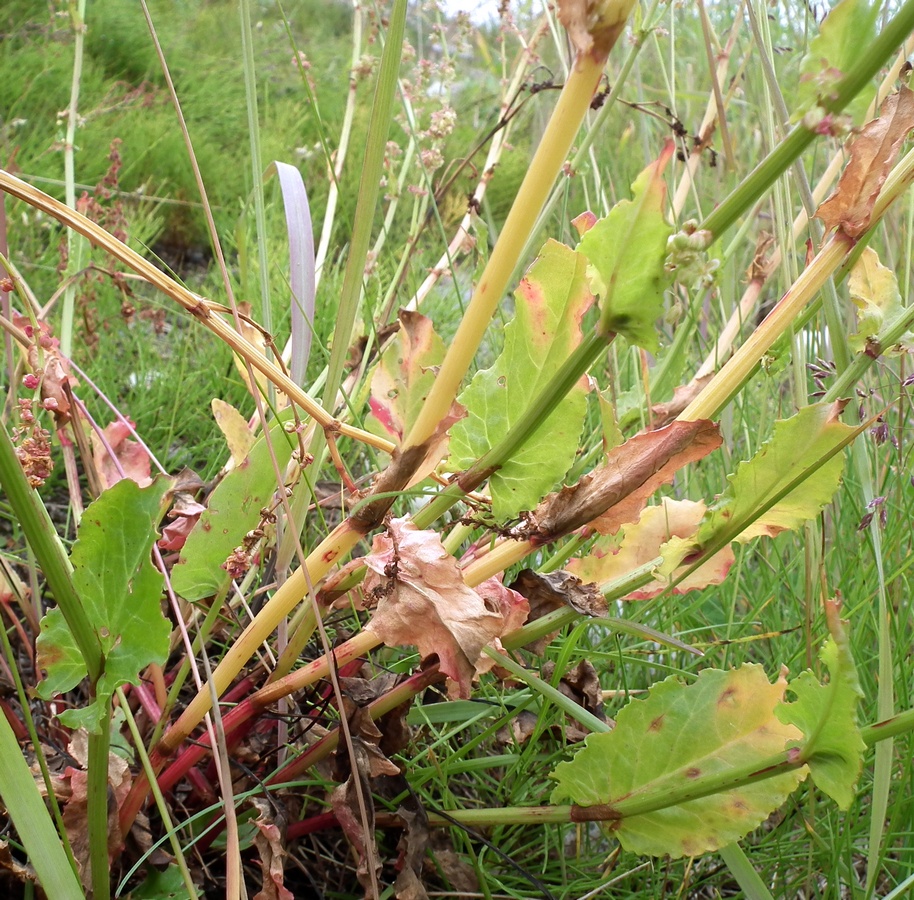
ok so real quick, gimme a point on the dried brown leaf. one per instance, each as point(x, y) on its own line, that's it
point(268, 841)
point(423, 601)
point(872, 152)
point(582, 685)
point(556, 590)
point(616, 492)
point(131, 456)
point(459, 874)
point(75, 813)
point(412, 844)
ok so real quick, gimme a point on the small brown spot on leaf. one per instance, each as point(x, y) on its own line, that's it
point(693, 772)
point(657, 724)
point(727, 696)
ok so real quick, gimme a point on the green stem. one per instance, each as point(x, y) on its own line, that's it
point(776, 163)
point(534, 682)
point(533, 417)
point(778, 764)
point(550, 155)
point(369, 188)
point(39, 531)
point(97, 813)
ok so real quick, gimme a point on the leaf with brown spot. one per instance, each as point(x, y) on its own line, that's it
point(678, 735)
point(423, 601)
point(872, 154)
point(616, 492)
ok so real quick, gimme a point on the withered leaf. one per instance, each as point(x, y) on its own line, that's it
point(557, 590)
point(268, 841)
point(872, 152)
point(582, 685)
point(370, 762)
point(424, 601)
point(413, 842)
point(615, 493)
point(132, 456)
point(658, 526)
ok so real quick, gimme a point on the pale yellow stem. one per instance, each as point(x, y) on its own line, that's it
point(551, 154)
point(336, 545)
point(739, 367)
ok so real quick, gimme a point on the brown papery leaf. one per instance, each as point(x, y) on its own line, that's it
point(423, 601)
point(268, 841)
point(616, 493)
point(132, 457)
point(872, 154)
point(556, 590)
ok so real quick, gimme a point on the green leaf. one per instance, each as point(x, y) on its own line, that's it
point(24, 805)
point(232, 511)
point(551, 301)
point(627, 250)
point(874, 289)
point(797, 447)
point(120, 590)
point(827, 716)
point(846, 33)
point(805, 448)
point(165, 885)
point(675, 737)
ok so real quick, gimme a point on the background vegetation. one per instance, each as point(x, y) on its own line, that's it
point(160, 368)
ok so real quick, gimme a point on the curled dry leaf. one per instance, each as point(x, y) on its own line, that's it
point(581, 683)
point(556, 590)
point(132, 457)
point(616, 493)
point(423, 601)
point(412, 844)
point(872, 154)
point(183, 515)
point(268, 841)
